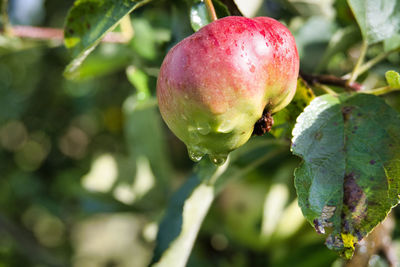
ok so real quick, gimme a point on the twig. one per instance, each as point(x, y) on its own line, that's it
point(381, 91)
point(326, 89)
point(331, 80)
point(54, 34)
point(369, 64)
point(355, 73)
point(211, 9)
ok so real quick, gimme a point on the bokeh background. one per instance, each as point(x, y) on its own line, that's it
point(87, 166)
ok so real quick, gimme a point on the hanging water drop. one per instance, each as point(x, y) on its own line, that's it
point(195, 154)
point(218, 159)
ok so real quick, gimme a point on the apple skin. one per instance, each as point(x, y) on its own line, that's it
point(214, 85)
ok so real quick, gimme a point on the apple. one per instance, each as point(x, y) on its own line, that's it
point(215, 84)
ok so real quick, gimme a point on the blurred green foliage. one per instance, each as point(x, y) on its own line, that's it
point(87, 166)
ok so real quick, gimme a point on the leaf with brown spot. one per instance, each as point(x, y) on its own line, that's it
point(350, 146)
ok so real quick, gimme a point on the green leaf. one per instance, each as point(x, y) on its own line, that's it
point(350, 175)
point(199, 16)
point(221, 9)
point(378, 19)
point(285, 119)
point(87, 23)
point(189, 205)
point(140, 81)
point(392, 43)
point(312, 39)
point(147, 39)
point(144, 137)
point(185, 214)
point(107, 59)
point(393, 79)
point(341, 41)
point(308, 8)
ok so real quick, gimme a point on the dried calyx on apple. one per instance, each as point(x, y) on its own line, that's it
point(215, 84)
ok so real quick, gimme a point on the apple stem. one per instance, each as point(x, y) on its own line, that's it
point(211, 9)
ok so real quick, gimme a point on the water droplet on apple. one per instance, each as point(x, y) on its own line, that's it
point(218, 159)
point(203, 128)
point(195, 154)
point(225, 127)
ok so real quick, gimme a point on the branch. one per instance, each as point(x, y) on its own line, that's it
point(331, 80)
point(54, 34)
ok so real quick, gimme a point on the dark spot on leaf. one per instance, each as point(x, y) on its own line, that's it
point(352, 192)
point(318, 135)
point(71, 31)
point(319, 228)
point(346, 112)
point(359, 114)
point(355, 127)
point(334, 242)
point(372, 162)
point(359, 235)
point(353, 132)
point(346, 224)
point(335, 123)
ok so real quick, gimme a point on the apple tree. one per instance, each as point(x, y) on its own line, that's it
point(300, 97)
